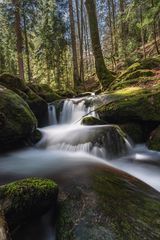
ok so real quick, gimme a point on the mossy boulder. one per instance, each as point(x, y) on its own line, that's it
point(12, 82)
point(90, 120)
point(132, 104)
point(154, 140)
point(45, 92)
point(17, 122)
point(37, 104)
point(25, 199)
point(108, 204)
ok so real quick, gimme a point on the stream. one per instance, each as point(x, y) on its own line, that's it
point(66, 144)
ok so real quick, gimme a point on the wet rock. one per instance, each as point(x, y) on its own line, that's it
point(17, 122)
point(26, 199)
point(134, 131)
point(154, 140)
point(108, 204)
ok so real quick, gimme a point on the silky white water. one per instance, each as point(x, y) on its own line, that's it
point(66, 145)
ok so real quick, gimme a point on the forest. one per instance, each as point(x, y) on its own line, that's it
point(79, 119)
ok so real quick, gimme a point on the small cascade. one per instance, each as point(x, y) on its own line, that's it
point(102, 141)
point(52, 117)
point(74, 109)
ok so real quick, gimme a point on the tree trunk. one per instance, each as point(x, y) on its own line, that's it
point(76, 77)
point(19, 39)
point(81, 43)
point(154, 31)
point(103, 73)
point(123, 27)
point(142, 33)
point(27, 49)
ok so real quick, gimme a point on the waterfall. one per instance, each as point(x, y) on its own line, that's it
point(74, 109)
point(52, 117)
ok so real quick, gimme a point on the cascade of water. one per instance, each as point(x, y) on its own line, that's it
point(52, 117)
point(102, 141)
point(74, 109)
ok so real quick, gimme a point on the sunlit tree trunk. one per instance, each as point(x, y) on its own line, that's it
point(103, 73)
point(76, 77)
point(27, 49)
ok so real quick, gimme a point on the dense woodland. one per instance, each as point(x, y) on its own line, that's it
point(50, 41)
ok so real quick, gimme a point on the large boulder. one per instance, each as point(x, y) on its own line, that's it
point(104, 203)
point(23, 200)
point(132, 104)
point(37, 104)
point(17, 122)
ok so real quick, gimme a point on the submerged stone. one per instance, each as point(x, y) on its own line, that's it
point(25, 199)
point(108, 204)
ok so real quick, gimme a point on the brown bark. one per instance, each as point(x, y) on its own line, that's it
point(103, 73)
point(142, 33)
point(81, 43)
point(154, 31)
point(27, 49)
point(76, 77)
point(19, 38)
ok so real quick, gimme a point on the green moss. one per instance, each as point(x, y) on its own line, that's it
point(16, 118)
point(45, 92)
point(12, 82)
point(132, 104)
point(23, 199)
point(90, 120)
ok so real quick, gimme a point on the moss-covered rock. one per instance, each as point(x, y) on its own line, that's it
point(17, 122)
point(25, 199)
point(12, 82)
point(108, 204)
point(90, 120)
point(154, 140)
point(132, 104)
point(37, 104)
point(45, 92)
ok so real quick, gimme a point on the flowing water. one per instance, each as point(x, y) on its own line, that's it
point(67, 144)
